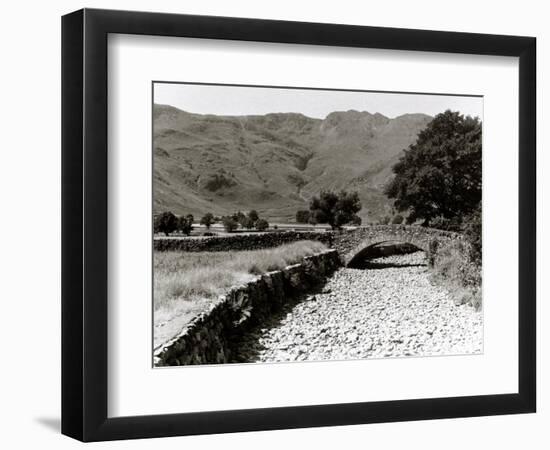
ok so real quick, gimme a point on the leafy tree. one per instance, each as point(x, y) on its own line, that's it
point(335, 209)
point(302, 216)
point(397, 219)
point(238, 216)
point(247, 223)
point(440, 174)
point(166, 223)
point(185, 224)
point(229, 223)
point(207, 220)
point(262, 225)
point(253, 215)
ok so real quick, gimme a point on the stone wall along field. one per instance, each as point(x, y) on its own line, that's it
point(349, 242)
point(236, 242)
point(206, 340)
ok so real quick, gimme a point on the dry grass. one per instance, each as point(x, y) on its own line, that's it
point(186, 280)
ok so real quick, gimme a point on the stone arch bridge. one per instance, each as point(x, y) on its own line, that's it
point(352, 243)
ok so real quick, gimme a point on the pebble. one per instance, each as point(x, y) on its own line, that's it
point(373, 313)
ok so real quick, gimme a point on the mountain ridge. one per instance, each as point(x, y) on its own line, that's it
point(276, 162)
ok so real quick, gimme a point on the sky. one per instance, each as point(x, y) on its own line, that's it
point(238, 101)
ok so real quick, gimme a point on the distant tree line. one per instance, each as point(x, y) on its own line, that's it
point(167, 222)
point(247, 221)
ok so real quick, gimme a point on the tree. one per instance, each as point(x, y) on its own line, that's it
point(253, 216)
point(190, 218)
point(302, 216)
point(440, 174)
point(185, 224)
point(166, 223)
point(207, 220)
point(397, 219)
point(262, 225)
point(335, 209)
point(247, 223)
point(229, 223)
point(238, 216)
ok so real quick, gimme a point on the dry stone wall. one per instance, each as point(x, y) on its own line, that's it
point(207, 339)
point(347, 242)
point(236, 242)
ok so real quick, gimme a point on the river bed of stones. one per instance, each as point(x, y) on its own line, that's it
point(389, 308)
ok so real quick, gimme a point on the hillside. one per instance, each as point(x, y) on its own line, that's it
point(276, 162)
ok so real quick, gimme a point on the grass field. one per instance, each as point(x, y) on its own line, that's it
point(218, 230)
point(186, 282)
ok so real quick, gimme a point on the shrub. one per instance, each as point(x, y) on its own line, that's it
point(472, 233)
point(397, 219)
point(453, 268)
point(356, 220)
point(216, 182)
point(385, 220)
point(262, 225)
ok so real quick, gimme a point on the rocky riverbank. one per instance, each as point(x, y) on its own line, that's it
point(387, 309)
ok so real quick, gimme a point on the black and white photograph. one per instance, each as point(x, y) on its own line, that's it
point(301, 224)
point(275, 225)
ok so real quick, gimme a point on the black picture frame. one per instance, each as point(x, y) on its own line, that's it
point(84, 224)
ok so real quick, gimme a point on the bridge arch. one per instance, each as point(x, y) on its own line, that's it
point(379, 249)
point(353, 243)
